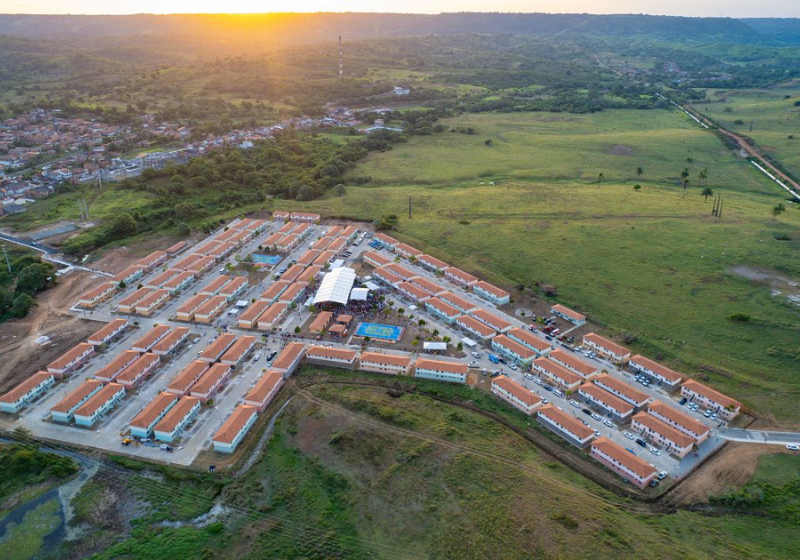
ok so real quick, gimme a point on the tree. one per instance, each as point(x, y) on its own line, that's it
point(33, 278)
point(489, 143)
point(21, 305)
point(685, 179)
point(123, 225)
point(306, 193)
point(706, 192)
point(639, 172)
point(703, 175)
point(297, 329)
point(637, 187)
point(778, 209)
point(339, 190)
point(600, 177)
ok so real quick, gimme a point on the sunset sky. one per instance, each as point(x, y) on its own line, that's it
point(728, 8)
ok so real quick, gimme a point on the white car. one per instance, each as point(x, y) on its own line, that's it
point(476, 355)
point(575, 403)
point(608, 423)
point(596, 416)
point(792, 447)
point(629, 435)
point(538, 381)
point(655, 451)
point(528, 376)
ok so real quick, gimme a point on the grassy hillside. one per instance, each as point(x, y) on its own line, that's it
point(649, 262)
point(774, 116)
point(354, 473)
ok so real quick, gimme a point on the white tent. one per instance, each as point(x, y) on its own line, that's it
point(468, 342)
point(335, 286)
point(359, 294)
point(372, 286)
point(434, 346)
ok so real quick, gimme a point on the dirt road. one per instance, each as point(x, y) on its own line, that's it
point(748, 148)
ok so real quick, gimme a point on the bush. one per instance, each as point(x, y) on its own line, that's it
point(739, 317)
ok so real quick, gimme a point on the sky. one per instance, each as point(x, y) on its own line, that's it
point(716, 8)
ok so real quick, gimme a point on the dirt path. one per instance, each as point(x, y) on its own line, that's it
point(747, 148)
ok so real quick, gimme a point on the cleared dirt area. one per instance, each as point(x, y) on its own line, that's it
point(21, 354)
point(730, 469)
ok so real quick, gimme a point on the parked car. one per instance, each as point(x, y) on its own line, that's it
point(538, 381)
point(655, 451)
point(641, 442)
point(608, 423)
point(256, 357)
point(596, 416)
point(662, 475)
point(587, 412)
point(628, 435)
point(528, 376)
point(683, 401)
point(513, 367)
point(792, 447)
point(654, 483)
point(575, 403)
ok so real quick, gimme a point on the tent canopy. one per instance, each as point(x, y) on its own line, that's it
point(359, 294)
point(335, 286)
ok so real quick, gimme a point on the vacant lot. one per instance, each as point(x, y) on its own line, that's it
point(650, 263)
point(564, 148)
point(773, 114)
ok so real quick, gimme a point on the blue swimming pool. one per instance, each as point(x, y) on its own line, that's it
point(270, 260)
point(389, 333)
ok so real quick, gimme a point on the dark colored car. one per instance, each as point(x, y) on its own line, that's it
point(587, 411)
point(641, 442)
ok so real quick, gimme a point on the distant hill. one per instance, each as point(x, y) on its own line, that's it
point(779, 30)
point(237, 31)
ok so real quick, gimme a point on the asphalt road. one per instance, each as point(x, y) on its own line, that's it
point(760, 436)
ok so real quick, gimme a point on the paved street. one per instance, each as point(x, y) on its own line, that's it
point(760, 436)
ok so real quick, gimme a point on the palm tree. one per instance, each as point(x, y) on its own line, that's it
point(778, 209)
point(685, 179)
point(639, 172)
point(600, 178)
point(703, 175)
point(706, 192)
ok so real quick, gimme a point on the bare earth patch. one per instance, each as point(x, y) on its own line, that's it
point(621, 150)
point(22, 356)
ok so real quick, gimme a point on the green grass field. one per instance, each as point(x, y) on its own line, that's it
point(773, 114)
point(564, 148)
point(648, 262)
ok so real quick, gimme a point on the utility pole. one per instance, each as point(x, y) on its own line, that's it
point(409, 207)
point(8, 263)
point(340, 57)
point(80, 208)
